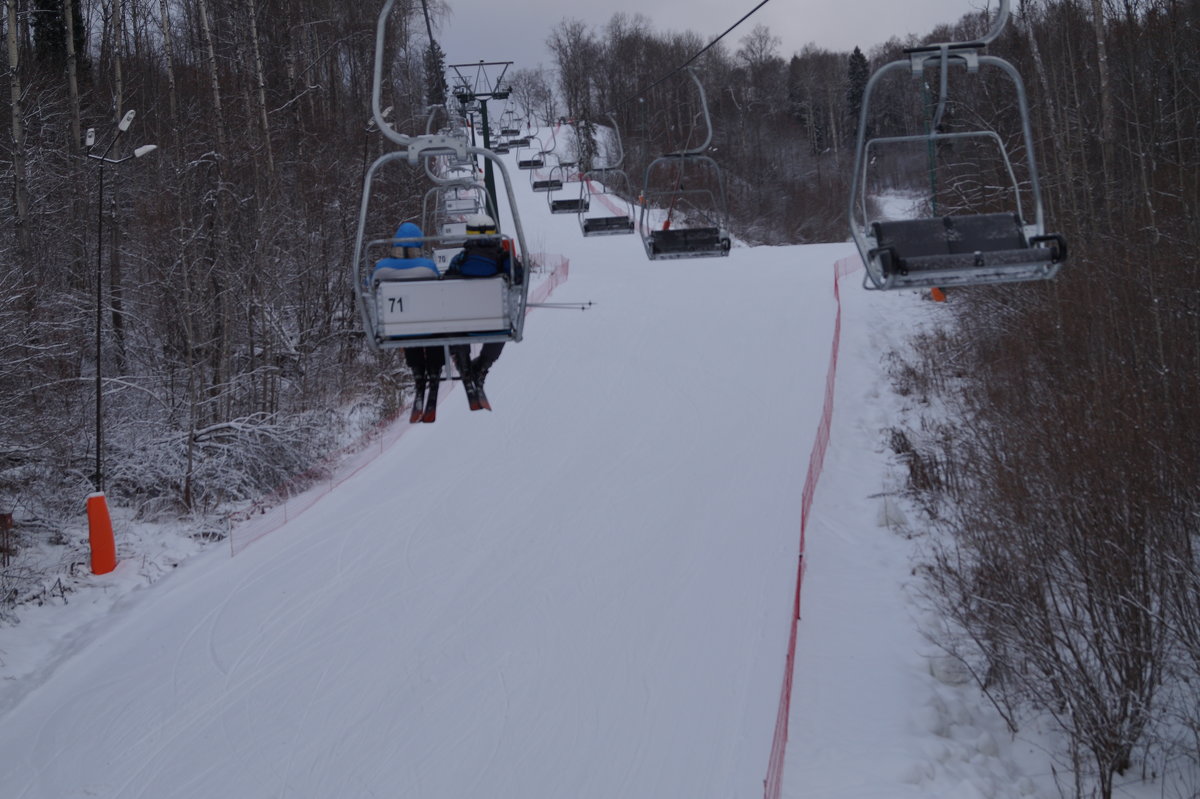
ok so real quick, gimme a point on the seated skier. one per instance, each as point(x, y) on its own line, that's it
point(407, 263)
point(481, 257)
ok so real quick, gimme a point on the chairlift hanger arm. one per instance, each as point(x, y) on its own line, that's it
point(433, 115)
point(703, 146)
point(620, 146)
point(384, 126)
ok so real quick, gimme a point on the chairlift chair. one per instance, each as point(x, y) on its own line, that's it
point(445, 210)
point(694, 198)
point(436, 310)
point(612, 190)
point(959, 249)
point(508, 122)
point(566, 205)
point(530, 154)
point(432, 311)
point(599, 184)
point(546, 184)
point(531, 162)
point(548, 180)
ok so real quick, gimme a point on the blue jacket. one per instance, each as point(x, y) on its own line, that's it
point(486, 258)
point(407, 235)
point(404, 269)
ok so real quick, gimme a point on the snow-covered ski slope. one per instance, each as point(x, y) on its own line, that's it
point(586, 593)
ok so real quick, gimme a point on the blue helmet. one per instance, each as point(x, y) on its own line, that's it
point(408, 235)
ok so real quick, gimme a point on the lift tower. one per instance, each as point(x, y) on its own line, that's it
point(473, 93)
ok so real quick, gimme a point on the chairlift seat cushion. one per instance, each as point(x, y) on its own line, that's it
point(962, 250)
point(568, 206)
point(916, 244)
point(607, 224)
point(547, 185)
point(688, 241)
point(418, 308)
point(908, 241)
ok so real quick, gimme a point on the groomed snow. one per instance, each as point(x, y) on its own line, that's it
point(585, 593)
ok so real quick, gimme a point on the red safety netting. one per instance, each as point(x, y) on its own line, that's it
point(773, 783)
point(289, 500)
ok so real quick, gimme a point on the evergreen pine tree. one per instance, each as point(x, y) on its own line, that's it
point(858, 73)
point(435, 74)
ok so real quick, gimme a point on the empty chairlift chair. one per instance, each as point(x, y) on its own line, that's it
point(508, 124)
point(607, 209)
point(548, 180)
point(964, 247)
point(566, 174)
point(529, 154)
point(689, 186)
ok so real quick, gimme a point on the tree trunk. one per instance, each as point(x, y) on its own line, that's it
point(169, 50)
point(252, 13)
point(116, 284)
point(215, 83)
point(118, 48)
point(72, 76)
point(1062, 164)
point(20, 179)
point(1106, 100)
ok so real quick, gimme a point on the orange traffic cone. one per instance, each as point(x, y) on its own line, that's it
point(937, 294)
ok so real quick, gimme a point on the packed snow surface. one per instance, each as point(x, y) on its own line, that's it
point(586, 593)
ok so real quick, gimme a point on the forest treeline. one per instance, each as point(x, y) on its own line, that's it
point(1062, 464)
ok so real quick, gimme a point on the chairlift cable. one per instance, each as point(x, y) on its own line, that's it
point(701, 52)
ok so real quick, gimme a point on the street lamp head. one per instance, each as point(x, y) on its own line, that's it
point(145, 149)
point(126, 121)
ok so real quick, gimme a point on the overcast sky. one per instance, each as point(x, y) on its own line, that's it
point(517, 31)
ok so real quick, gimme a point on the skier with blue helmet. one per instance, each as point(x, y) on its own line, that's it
point(406, 261)
point(425, 363)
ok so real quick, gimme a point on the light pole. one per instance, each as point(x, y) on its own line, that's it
point(103, 158)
